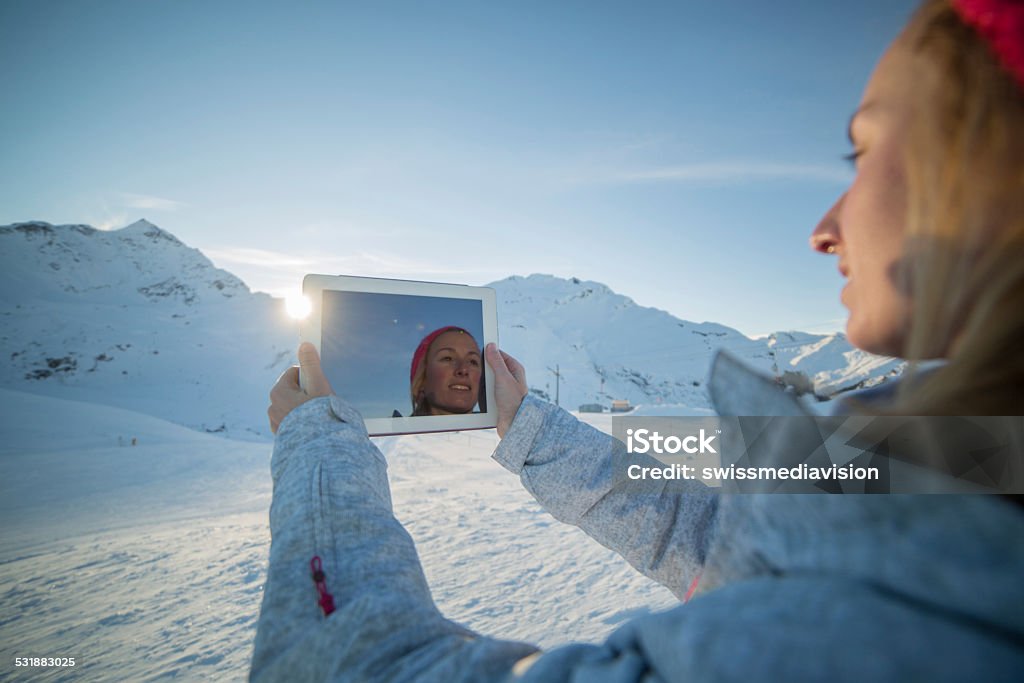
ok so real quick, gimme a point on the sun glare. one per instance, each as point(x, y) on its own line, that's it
point(298, 306)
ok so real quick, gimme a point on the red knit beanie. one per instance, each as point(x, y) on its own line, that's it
point(421, 350)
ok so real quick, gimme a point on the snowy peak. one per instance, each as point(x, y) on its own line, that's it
point(34, 231)
point(40, 260)
point(605, 346)
point(554, 291)
point(143, 228)
point(141, 225)
point(136, 319)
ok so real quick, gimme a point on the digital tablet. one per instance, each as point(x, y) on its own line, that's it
point(408, 355)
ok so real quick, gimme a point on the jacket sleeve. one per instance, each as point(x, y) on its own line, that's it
point(575, 471)
point(331, 500)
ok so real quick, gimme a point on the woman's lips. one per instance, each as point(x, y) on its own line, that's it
point(459, 387)
point(844, 270)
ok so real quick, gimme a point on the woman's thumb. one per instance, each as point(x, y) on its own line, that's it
point(312, 374)
point(496, 362)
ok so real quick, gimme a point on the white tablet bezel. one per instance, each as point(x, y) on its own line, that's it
point(310, 330)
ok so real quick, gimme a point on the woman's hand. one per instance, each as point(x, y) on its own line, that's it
point(509, 385)
point(287, 395)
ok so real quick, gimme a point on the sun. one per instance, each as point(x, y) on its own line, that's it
point(297, 306)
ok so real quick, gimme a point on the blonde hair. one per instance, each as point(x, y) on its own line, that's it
point(416, 386)
point(964, 266)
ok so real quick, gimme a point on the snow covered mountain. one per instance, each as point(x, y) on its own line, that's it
point(135, 319)
point(604, 346)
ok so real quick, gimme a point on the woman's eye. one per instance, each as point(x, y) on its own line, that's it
point(852, 157)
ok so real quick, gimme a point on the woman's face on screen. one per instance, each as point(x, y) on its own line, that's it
point(453, 371)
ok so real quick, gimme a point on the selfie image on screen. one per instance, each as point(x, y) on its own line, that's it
point(399, 355)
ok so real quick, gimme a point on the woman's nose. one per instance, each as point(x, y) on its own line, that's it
point(461, 368)
point(825, 238)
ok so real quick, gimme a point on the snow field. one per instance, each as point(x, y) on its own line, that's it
point(147, 562)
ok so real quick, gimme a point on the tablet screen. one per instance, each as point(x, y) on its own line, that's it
point(399, 355)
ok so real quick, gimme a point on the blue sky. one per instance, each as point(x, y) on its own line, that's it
point(679, 152)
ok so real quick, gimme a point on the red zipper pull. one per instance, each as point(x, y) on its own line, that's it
point(326, 600)
point(692, 589)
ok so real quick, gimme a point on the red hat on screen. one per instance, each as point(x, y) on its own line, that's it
point(421, 350)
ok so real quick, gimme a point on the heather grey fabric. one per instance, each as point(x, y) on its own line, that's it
point(792, 588)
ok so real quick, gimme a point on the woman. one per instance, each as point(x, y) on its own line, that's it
point(931, 232)
point(444, 376)
point(790, 588)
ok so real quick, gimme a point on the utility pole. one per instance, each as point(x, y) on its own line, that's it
point(558, 378)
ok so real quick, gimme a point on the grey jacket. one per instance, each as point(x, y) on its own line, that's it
point(791, 588)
